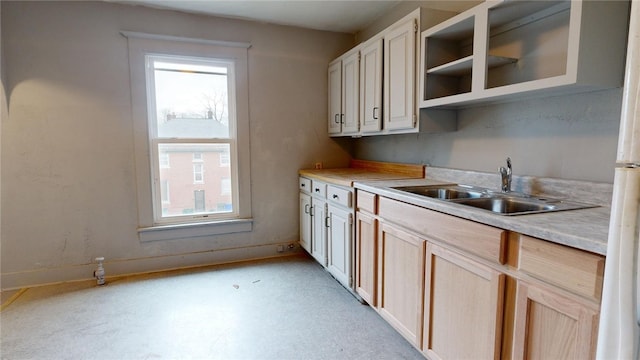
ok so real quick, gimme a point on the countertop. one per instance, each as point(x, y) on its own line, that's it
point(362, 170)
point(584, 229)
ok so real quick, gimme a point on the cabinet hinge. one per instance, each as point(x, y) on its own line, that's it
point(350, 219)
point(415, 26)
point(415, 120)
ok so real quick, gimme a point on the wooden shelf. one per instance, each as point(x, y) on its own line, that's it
point(463, 66)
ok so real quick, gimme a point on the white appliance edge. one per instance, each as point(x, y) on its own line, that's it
point(619, 328)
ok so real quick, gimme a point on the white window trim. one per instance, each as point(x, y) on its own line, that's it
point(142, 44)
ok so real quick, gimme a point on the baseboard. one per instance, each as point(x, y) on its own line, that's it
point(124, 267)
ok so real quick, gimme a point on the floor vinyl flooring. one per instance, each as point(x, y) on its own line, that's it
point(284, 308)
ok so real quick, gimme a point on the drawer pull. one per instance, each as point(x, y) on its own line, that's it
point(317, 189)
point(303, 185)
point(335, 196)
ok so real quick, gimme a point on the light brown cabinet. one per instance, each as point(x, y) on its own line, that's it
point(463, 307)
point(366, 247)
point(459, 289)
point(552, 326)
point(401, 281)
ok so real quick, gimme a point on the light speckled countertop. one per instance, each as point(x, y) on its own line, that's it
point(585, 229)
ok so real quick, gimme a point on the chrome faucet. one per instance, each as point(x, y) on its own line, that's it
point(505, 175)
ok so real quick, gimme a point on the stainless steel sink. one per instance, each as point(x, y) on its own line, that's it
point(445, 192)
point(496, 202)
point(510, 206)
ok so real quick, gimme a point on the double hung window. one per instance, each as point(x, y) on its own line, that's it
point(191, 136)
point(191, 116)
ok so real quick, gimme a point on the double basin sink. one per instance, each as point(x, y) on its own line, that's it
point(496, 202)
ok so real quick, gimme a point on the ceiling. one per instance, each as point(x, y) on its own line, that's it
point(347, 16)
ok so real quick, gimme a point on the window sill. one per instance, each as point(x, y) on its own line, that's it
point(184, 231)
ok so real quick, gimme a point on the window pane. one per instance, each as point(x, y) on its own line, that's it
point(191, 100)
point(191, 181)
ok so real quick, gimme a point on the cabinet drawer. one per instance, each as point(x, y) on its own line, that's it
point(304, 184)
point(339, 195)
point(482, 240)
point(319, 188)
point(367, 201)
point(575, 270)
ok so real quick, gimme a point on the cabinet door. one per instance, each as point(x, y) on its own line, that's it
point(335, 97)
point(401, 281)
point(371, 86)
point(339, 240)
point(319, 230)
point(463, 307)
point(366, 253)
point(350, 94)
point(305, 222)
point(551, 326)
point(399, 74)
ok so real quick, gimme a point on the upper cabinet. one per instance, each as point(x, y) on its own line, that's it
point(399, 74)
point(373, 87)
point(344, 84)
point(503, 50)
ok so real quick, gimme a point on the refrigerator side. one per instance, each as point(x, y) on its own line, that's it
point(619, 329)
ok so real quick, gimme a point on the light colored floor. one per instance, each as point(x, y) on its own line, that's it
point(287, 308)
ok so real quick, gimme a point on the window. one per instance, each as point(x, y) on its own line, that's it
point(190, 105)
point(198, 177)
point(224, 159)
point(190, 114)
point(225, 186)
point(164, 161)
point(166, 199)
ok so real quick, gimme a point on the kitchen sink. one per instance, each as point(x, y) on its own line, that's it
point(509, 206)
point(511, 203)
point(445, 192)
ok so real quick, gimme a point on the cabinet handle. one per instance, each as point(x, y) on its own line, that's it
point(306, 208)
point(326, 222)
point(317, 189)
point(335, 118)
point(312, 211)
point(335, 196)
point(375, 117)
point(303, 185)
point(341, 118)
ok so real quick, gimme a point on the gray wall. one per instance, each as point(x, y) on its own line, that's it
point(68, 170)
point(570, 136)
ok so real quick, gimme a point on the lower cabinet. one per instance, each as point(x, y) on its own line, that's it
point(463, 307)
point(305, 221)
point(366, 248)
point(319, 230)
point(339, 240)
point(440, 285)
point(401, 281)
point(552, 326)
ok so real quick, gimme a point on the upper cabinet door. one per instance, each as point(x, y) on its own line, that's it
point(350, 93)
point(399, 72)
point(335, 97)
point(371, 86)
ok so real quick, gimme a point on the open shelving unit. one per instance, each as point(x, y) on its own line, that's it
point(502, 50)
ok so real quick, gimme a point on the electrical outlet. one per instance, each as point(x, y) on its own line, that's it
point(319, 165)
point(291, 246)
point(280, 248)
